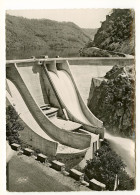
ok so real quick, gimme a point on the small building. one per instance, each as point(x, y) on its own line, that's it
point(42, 158)
point(76, 174)
point(96, 185)
point(15, 146)
point(28, 152)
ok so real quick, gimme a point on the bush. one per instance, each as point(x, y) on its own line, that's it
point(104, 167)
point(125, 181)
point(94, 52)
point(12, 125)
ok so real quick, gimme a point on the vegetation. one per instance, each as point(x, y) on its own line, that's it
point(94, 52)
point(114, 101)
point(12, 125)
point(33, 33)
point(26, 175)
point(116, 33)
point(104, 167)
point(90, 32)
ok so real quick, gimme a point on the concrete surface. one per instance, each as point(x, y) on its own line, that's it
point(66, 91)
point(60, 135)
point(27, 175)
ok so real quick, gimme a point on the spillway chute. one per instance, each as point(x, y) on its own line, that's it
point(69, 96)
point(28, 82)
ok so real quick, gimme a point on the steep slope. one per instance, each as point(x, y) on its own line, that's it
point(33, 33)
point(113, 101)
point(90, 32)
point(117, 34)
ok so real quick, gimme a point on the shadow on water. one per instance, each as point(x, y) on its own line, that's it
point(27, 53)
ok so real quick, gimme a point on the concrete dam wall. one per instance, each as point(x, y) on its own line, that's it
point(29, 88)
point(32, 134)
point(55, 117)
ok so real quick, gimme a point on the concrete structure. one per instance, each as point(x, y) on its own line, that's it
point(55, 122)
point(15, 146)
point(42, 158)
point(28, 151)
point(58, 165)
point(76, 174)
point(96, 185)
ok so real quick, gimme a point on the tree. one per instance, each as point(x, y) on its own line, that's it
point(12, 125)
point(119, 27)
point(104, 167)
point(125, 181)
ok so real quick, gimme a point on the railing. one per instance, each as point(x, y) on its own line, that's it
point(131, 59)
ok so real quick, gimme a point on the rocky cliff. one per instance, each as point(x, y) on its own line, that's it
point(117, 34)
point(113, 100)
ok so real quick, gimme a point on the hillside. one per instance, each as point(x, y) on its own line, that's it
point(113, 101)
point(34, 33)
point(90, 32)
point(117, 34)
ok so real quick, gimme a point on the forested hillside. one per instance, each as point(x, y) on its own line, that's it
point(33, 33)
point(113, 101)
point(117, 33)
point(90, 32)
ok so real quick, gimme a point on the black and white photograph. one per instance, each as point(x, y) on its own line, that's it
point(70, 100)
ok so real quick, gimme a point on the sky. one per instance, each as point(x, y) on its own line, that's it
point(84, 18)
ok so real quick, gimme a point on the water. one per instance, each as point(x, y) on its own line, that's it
point(83, 75)
point(27, 53)
point(124, 148)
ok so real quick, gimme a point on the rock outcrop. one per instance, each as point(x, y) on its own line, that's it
point(113, 101)
point(115, 37)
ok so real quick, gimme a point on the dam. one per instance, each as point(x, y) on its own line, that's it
point(55, 118)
